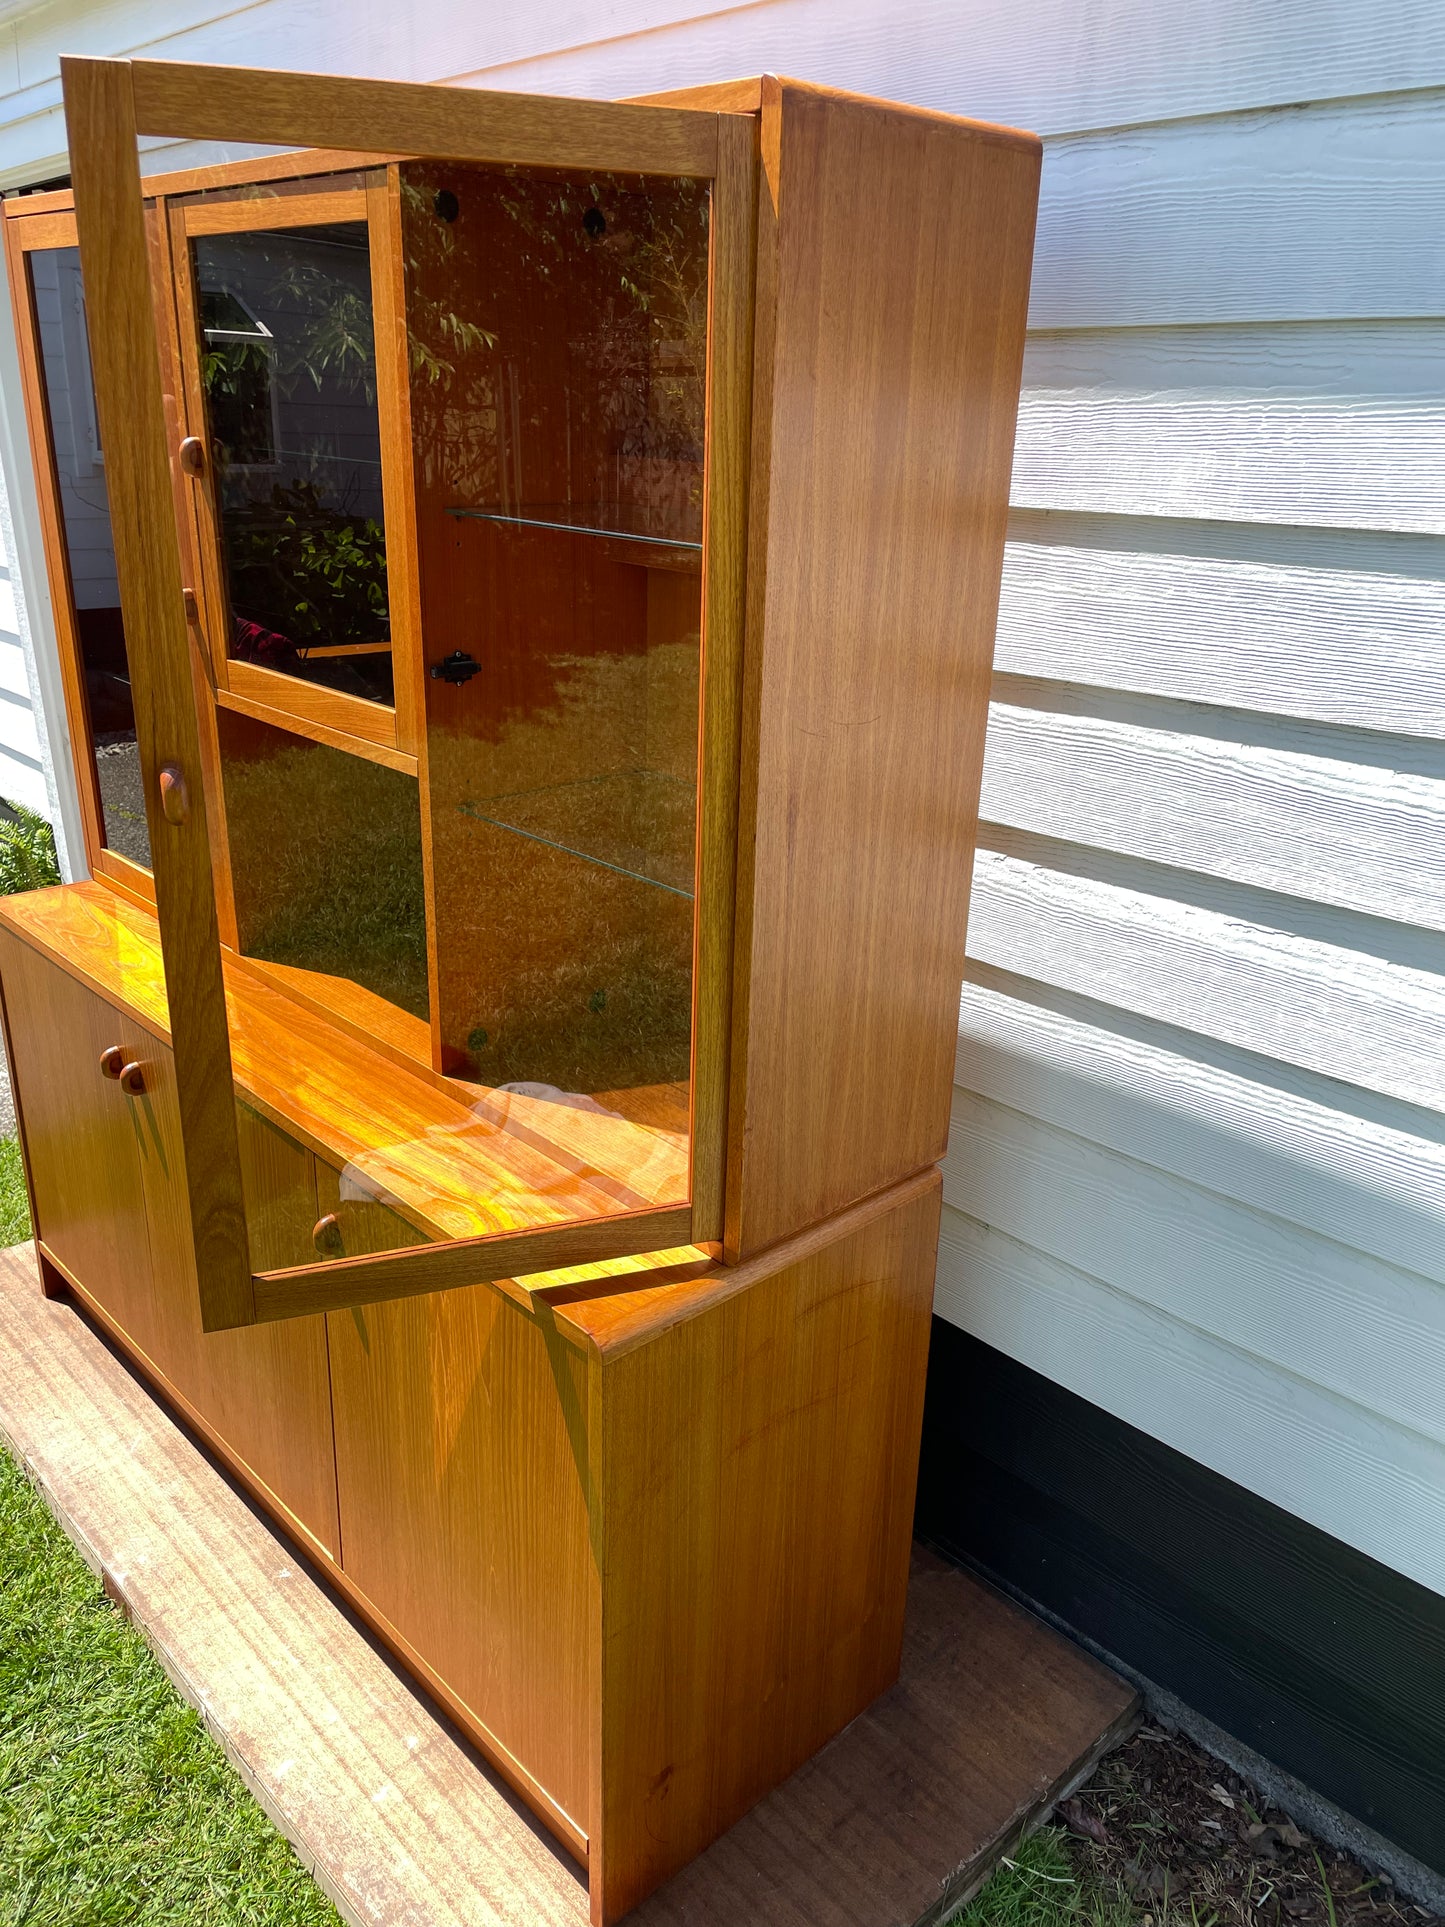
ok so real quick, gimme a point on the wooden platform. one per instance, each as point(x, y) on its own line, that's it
point(894, 1823)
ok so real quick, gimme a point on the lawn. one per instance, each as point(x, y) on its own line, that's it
point(115, 1804)
point(14, 1205)
point(1039, 1886)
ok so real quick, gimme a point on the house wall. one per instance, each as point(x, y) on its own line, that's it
point(1197, 1174)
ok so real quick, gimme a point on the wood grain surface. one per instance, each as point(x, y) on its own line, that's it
point(1250, 217)
point(465, 1493)
point(754, 1531)
point(1305, 998)
point(115, 260)
point(326, 110)
point(1376, 1187)
point(1281, 814)
point(1289, 422)
point(55, 230)
point(317, 722)
point(371, 1278)
point(1290, 634)
point(394, 1812)
point(883, 428)
point(110, 1204)
point(79, 1141)
point(1236, 1273)
point(350, 721)
point(449, 1171)
point(896, 1821)
point(733, 228)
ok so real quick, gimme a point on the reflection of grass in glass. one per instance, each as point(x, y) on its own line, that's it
point(326, 863)
point(553, 968)
point(607, 1008)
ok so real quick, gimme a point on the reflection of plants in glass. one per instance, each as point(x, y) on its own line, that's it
point(437, 336)
point(328, 333)
point(589, 298)
point(334, 337)
point(308, 572)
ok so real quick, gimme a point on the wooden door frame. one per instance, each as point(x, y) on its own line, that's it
point(33, 223)
point(54, 228)
point(379, 732)
point(109, 104)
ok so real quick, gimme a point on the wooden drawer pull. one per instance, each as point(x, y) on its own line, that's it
point(112, 1061)
point(133, 1079)
point(326, 1236)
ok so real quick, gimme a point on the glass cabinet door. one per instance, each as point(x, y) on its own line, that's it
point(71, 479)
point(456, 431)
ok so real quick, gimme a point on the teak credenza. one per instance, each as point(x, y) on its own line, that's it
point(525, 573)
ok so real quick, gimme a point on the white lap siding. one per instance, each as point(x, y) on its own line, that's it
point(1197, 1172)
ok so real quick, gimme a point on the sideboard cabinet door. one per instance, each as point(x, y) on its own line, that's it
point(111, 1205)
point(79, 1135)
point(265, 1389)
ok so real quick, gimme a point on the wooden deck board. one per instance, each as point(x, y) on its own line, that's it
point(891, 1825)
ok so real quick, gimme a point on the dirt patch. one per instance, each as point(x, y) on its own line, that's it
point(1189, 1842)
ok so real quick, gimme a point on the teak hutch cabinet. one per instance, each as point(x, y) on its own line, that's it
point(526, 572)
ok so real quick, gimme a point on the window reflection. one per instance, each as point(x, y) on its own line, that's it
point(89, 550)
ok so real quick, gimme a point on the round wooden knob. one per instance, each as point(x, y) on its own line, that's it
point(192, 456)
point(326, 1235)
point(175, 799)
point(112, 1061)
point(133, 1079)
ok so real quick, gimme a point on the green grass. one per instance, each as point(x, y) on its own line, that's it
point(116, 1807)
point(1039, 1886)
point(14, 1204)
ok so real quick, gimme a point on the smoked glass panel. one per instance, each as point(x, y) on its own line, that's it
point(557, 329)
point(89, 551)
point(288, 369)
point(326, 864)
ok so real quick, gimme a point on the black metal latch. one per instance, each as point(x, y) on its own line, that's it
point(457, 667)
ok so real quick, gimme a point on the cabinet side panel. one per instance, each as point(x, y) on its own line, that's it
point(900, 250)
point(758, 1469)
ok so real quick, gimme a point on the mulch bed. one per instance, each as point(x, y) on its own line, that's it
point(1189, 1841)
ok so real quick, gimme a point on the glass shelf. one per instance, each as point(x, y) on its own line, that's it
point(642, 819)
point(575, 522)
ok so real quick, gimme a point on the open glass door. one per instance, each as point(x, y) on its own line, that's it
point(466, 438)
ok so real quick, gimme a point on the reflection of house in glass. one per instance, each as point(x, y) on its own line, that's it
point(94, 602)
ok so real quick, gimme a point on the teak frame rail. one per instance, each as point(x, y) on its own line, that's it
point(109, 104)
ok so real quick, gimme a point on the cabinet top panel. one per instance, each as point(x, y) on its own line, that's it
point(353, 1108)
